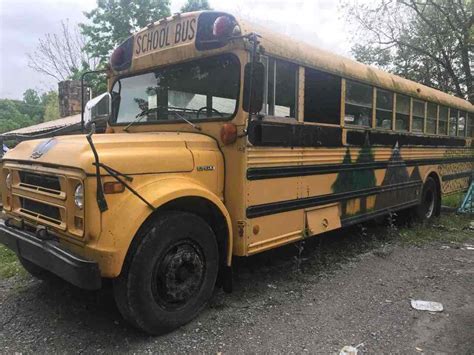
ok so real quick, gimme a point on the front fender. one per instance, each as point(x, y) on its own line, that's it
point(121, 224)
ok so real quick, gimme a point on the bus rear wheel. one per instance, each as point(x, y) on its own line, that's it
point(171, 274)
point(430, 200)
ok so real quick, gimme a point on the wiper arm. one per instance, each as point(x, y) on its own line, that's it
point(195, 126)
point(139, 117)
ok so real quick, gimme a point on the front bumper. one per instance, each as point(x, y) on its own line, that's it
point(49, 255)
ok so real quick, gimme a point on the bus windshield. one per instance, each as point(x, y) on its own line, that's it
point(204, 89)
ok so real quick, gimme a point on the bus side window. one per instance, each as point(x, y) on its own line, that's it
point(418, 122)
point(443, 120)
point(280, 96)
point(470, 123)
point(359, 99)
point(322, 97)
point(453, 121)
point(431, 116)
point(384, 109)
point(402, 113)
point(462, 124)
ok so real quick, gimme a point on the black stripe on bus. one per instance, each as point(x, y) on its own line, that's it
point(461, 175)
point(305, 170)
point(290, 205)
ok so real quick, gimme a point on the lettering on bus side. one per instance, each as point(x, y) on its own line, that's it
point(166, 36)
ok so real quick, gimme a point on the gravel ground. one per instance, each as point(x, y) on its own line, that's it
point(346, 288)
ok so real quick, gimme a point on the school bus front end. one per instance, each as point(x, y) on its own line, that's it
point(143, 204)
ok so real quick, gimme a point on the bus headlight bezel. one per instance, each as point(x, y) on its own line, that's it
point(79, 196)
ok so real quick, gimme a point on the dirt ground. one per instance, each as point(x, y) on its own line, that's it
point(346, 288)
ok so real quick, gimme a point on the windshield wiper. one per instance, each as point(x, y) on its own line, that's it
point(195, 126)
point(139, 117)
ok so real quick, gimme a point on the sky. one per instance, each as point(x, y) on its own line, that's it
point(24, 22)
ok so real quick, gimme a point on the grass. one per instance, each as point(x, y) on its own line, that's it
point(448, 228)
point(454, 200)
point(9, 264)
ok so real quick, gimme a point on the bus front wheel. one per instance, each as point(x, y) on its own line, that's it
point(429, 205)
point(170, 275)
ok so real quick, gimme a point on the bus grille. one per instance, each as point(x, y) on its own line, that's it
point(44, 183)
point(40, 210)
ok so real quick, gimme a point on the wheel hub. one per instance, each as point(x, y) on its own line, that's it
point(180, 274)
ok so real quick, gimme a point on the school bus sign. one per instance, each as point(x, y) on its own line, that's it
point(165, 35)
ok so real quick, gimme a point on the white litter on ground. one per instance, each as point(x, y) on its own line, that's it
point(350, 350)
point(427, 306)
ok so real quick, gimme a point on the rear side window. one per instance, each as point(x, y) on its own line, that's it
point(443, 120)
point(462, 124)
point(418, 122)
point(359, 98)
point(453, 121)
point(431, 117)
point(402, 113)
point(322, 97)
point(384, 109)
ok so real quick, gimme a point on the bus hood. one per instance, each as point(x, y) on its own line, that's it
point(128, 153)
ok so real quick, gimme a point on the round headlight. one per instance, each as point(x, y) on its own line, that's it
point(8, 181)
point(79, 196)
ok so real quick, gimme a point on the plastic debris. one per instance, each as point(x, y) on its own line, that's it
point(427, 306)
point(350, 350)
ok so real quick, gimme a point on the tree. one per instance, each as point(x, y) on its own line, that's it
point(31, 105)
point(61, 55)
point(112, 21)
point(11, 118)
point(429, 41)
point(195, 5)
point(51, 106)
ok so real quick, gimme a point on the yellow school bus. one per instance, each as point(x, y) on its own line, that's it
point(224, 139)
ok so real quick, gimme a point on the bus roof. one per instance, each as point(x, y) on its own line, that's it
point(302, 53)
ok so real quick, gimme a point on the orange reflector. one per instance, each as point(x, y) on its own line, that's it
point(229, 133)
point(113, 187)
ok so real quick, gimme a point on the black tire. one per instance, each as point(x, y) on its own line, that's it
point(430, 200)
point(169, 275)
point(37, 271)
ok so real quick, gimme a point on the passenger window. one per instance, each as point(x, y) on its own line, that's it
point(470, 123)
point(453, 121)
point(281, 89)
point(418, 122)
point(462, 124)
point(443, 120)
point(322, 97)
point(431, 118)
point(402, 113)
point(384, 109)
point(359, 99)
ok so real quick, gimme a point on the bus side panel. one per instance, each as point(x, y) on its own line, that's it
point(295, 192)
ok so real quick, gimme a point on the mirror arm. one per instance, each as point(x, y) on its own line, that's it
point(253, 38)
point(82, 92)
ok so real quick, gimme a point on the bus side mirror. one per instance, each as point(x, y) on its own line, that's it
point(253, 101)
point(98, 109)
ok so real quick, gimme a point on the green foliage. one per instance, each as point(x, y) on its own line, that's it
point(51, 106)
point(11, 117)
point(428, 41)
point(112, 21)
point(195, 5)
point(33, 109)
